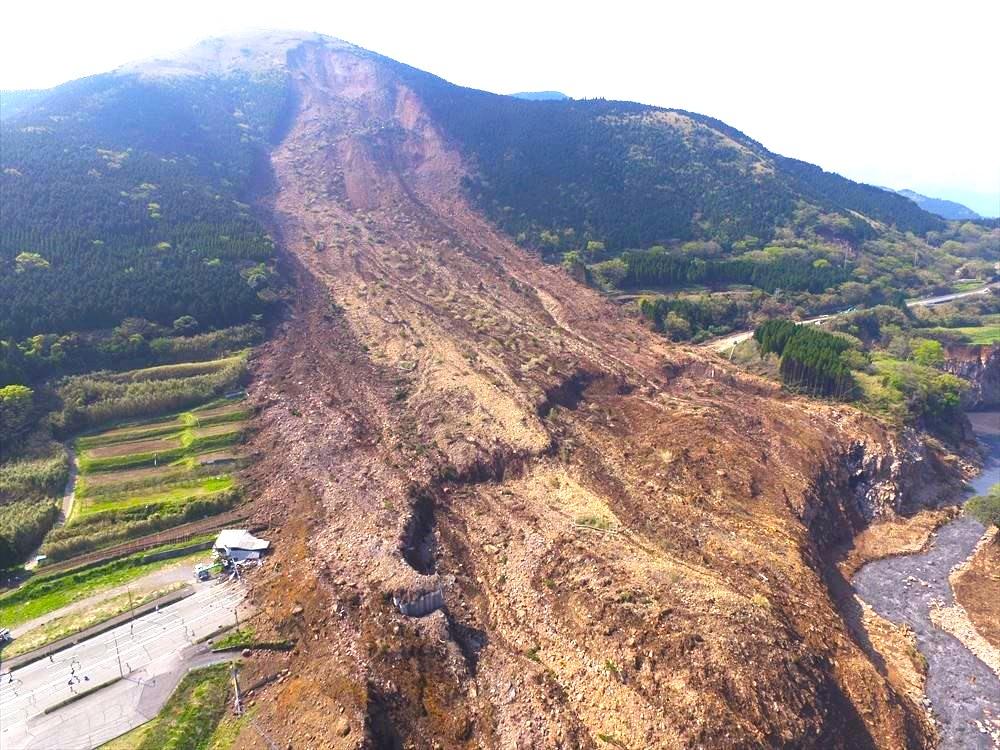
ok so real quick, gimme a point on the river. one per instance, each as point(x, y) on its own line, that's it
point(964, 693)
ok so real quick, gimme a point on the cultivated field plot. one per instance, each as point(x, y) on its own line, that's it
point(141, 478)
point(134, 447)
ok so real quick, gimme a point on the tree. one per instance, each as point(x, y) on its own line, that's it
point(26, 260)
point(16, 402)
point(928, 352)
point(677, 327)
point(185, 325)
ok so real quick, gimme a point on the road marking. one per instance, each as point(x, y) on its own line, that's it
point(158, 636)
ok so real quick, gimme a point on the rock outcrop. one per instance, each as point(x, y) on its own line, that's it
point(979, 364)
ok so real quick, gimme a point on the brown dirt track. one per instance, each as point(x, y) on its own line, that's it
point(439, 408)
point(136, 446)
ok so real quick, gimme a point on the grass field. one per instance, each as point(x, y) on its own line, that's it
point(175, 423)
point(195, 718)
point(967, 286)
point(171, 372)
point(177, 494)
point(67, 625)
point(140, 450)
point(42, 594)
point(987, 334)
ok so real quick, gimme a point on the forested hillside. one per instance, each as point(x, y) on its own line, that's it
point(124, 197)
point(558, 173)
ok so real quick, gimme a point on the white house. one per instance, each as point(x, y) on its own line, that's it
point(239, 544)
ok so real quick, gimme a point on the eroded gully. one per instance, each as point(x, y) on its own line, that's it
point(964, 693)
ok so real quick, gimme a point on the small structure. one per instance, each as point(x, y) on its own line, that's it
point(419, 604)
point(238, 545)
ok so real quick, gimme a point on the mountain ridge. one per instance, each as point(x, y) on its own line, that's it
point(262, 53)
point(946, 209)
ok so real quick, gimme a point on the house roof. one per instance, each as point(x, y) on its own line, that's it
point(240, 539)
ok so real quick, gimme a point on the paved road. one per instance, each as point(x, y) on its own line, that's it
point(727, 342)
point(154, 650)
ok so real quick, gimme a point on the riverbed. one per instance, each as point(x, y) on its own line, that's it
point(964, 693)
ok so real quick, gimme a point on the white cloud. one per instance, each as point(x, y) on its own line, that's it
point(895, 93)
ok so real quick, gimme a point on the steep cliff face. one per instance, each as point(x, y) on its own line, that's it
point(628, 536)
point(980, 366)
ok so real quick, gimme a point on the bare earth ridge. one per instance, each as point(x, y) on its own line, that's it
point(632, 538)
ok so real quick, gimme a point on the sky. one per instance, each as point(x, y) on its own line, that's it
point(898, 94)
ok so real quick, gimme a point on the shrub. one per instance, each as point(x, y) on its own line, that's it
point(97, 399)
point(23, 524)
point(111, 527)
point(986, 508)
point(16, 406)
point(43, 477)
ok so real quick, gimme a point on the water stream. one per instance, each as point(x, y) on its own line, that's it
point(964, 693)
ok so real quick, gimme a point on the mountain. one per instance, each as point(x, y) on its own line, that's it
point(636, 544)
point(12, 102)
point(541, 96)
point(943, 208)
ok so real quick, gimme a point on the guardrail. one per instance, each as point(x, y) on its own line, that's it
point(167, 536)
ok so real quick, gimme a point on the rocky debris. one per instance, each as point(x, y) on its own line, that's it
point(955, 620)
point(636, 553)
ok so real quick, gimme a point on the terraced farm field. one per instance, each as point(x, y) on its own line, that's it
point(146, 476)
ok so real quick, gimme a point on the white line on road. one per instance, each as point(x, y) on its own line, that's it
point(152, 644)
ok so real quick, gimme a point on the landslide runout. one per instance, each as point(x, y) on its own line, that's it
point(625, 531)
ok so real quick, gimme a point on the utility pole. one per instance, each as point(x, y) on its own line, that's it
point(236, 613)
point(237, 701)
point(121, 672)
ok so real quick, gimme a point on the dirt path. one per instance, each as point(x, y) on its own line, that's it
point(963, 692)
point(69, 494)
point(66, 507)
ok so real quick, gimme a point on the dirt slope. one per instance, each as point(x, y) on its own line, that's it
point(629, 536)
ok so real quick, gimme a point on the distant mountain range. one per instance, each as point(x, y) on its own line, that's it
point(541, 96)
point(939, 206)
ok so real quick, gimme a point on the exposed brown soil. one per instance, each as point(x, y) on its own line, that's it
point(977, 589)
point(903, 535)
point(133, 447)
point(630, 536)
point(217, 456)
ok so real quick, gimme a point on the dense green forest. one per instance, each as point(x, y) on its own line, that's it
point(810, 359)
point(889, 360)
point(698, 317)
point(124, 198)
point(659, 268)
point(557, 174)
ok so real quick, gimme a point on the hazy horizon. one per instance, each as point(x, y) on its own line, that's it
point(894, 96)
